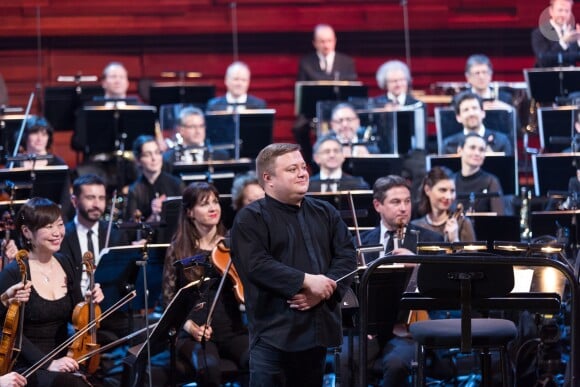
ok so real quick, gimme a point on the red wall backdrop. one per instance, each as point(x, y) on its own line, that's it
point(41, 39)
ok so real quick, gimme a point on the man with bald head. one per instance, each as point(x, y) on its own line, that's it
point(326, 63)
point(237, 81)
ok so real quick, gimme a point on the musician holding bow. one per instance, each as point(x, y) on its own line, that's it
point(55, 292)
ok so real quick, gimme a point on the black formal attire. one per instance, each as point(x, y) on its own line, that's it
point(229, 339)
point(221, 103)
point(397, 352)
point(381, 100)
point(45, 323)
point(549, 52)
point(175, 154)
point(497, 141)
point(275, 244)
point(345, 183)
point(142, 192)
point(480, 182)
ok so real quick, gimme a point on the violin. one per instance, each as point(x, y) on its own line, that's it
point(83, 313)
point(12, 328)
point(221, 259)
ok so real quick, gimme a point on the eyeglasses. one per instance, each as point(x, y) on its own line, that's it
point(479, 73)
point(344, 119)
point(150, 154)
point(202, 126)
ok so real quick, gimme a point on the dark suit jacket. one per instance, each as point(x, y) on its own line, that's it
point(309, 69)
point(71, 245)
point(498, 142)
point(548, 52)
point(346, 183)
point(412, 234)
point(381, 100)
point(221, 103)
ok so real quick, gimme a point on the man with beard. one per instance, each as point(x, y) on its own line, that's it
point(469, 113)
point(87, 232)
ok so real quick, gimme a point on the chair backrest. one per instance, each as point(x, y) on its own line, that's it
point(444, 280)
point(502, 120)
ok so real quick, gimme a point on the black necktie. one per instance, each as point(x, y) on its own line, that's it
point(90, 246)
point(390, 243)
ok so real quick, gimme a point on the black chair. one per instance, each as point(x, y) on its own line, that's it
point(465, 282)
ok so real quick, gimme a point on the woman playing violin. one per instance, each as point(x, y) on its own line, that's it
point(436, 199)
point(55, 292)
point(199, 231)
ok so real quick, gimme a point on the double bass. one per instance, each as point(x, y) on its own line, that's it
point(83, 313)
point(12, 328)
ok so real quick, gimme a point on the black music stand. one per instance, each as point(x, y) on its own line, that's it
point(162, 93)
point(556, 128)
point(51, 182)
point(492, 228)
point(371, 167)
point(9, 127)
point(221, 180)
point(165, 332)
point(548, 84)
point(256, 128)
point(108, 129)
point(363, 204)
point(118, 273)
point(498, 165)
point(62, 102)
point(308, 93)
point(236, 166)
point(553, 171)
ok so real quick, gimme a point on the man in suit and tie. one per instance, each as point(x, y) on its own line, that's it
point(555, 43)
point(345, 125)
point(329, 157)
point(237, 81)
point(394, 77)
point(392, 201)
point(469, 112)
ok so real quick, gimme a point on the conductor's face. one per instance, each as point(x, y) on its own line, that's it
point(470, 114)
point(324, 40)
point(395, 207)
point(289, 181)
point(90, 203)
point(561, 11)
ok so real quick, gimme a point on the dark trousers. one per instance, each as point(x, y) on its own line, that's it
point(271, 367)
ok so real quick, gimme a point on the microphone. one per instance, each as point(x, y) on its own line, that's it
point(195, 260)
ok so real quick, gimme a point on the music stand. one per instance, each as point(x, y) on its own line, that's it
point(256, 129)
point(494, 163)
point(371, 167)
point(162, 93)
point(118, 273)
point(492, 227)
point(236, 166)
point(547, 84)
point(10, 125)
point(164, 332)
point(556, 128)
point(50, 182)
point(62, 102)
point(108, 129)
point(308, 93)
point(553, 171)
point(221, 180)
point(363, 203)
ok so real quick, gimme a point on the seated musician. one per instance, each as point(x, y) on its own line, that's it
point(191, 144)
point(469, 113)
point(199, 231)
point(36, 141)
point(394, 77)
point(237, 81)
point(246, 189)
point(478, 73)
point(437, 195)
point(473, 179)
point(55, 292)
point(153, 185)
point(329, 157)
point(345, 124)
point(392, 201)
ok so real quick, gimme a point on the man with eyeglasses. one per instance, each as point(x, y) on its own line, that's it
point(345, 125)
point(153, 185)
point(478, 73)
point(329, 157)
point(191, 141)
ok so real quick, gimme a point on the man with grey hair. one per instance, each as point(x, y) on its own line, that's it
point(478, 73)
point(115, 81)
point(237, 81)
point(394, 76)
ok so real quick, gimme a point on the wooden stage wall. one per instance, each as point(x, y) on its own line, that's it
point(41, 39)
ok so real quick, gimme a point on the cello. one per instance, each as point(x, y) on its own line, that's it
point(83, 313)
point(12, 328)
